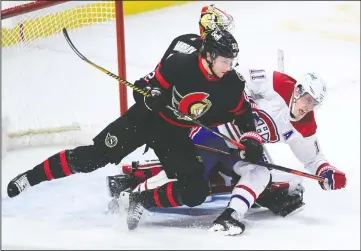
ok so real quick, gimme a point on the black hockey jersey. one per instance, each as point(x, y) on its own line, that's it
point(187, 44)
point(189, 88)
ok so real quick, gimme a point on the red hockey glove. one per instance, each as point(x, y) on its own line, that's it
point(335, 178)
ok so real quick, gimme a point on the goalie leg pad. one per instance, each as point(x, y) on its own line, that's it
point(280, 200)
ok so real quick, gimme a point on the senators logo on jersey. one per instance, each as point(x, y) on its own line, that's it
point(193, 104)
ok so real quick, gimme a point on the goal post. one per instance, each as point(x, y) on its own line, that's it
point(119, 17)
point(48, 95)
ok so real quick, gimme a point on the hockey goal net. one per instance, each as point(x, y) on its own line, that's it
point(49, 96)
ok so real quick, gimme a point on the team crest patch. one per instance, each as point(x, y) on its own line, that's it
point(111, 140)
point(266, 127)
point(193, 104)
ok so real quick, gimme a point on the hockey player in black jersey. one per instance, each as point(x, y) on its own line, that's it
point(211, 18)
point(204, 87)
point(213, 94)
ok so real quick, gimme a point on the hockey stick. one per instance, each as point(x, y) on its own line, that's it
point(281, 60)
point(146, 94)
point(124, 82)
point(271, 166)
point(210, 149)
point(141, 91)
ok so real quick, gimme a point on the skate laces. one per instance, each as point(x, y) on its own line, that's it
point(22, 183)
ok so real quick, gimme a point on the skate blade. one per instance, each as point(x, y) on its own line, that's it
point(113, 206)
point(132, 223)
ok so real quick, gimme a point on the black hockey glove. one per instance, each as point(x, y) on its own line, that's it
point(254, 148)
point(156, 102)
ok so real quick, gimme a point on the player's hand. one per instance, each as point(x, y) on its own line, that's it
point(334, 179)
point(156, 101)
point(254, 148)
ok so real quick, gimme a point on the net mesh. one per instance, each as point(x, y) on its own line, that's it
point(49, 96)
point(22, 30)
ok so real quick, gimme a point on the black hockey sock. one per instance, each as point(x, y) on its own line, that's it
point(167, 195)
point(54, 167)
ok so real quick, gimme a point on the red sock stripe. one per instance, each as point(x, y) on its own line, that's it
point(170, 195)
point(47, 171)
point(64, 164)
point(156, 197)
point(248, 190)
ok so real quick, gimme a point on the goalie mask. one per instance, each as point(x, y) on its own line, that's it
point(212, 18)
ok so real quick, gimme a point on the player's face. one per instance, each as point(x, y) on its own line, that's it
point(222, 65)
point(303, 105)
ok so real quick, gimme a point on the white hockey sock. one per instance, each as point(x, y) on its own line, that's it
point(242, 199)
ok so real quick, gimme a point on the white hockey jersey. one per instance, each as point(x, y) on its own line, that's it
point(271, 91)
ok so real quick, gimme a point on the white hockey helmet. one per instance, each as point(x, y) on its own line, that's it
point(312, 84)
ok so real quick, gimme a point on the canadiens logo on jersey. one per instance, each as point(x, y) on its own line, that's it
point(193, 104)
point(265, 126)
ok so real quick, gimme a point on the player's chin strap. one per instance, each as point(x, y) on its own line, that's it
point(293, 100)
point(210, 66)
point(292, 108)
point(185, 116)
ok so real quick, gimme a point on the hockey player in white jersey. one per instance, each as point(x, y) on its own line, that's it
point(284, 110)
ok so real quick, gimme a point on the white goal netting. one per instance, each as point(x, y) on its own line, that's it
point(49, 96)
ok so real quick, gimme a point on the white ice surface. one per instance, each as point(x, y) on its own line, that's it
point(71, 213)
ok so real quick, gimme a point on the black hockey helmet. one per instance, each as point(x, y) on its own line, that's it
point(219, 43)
